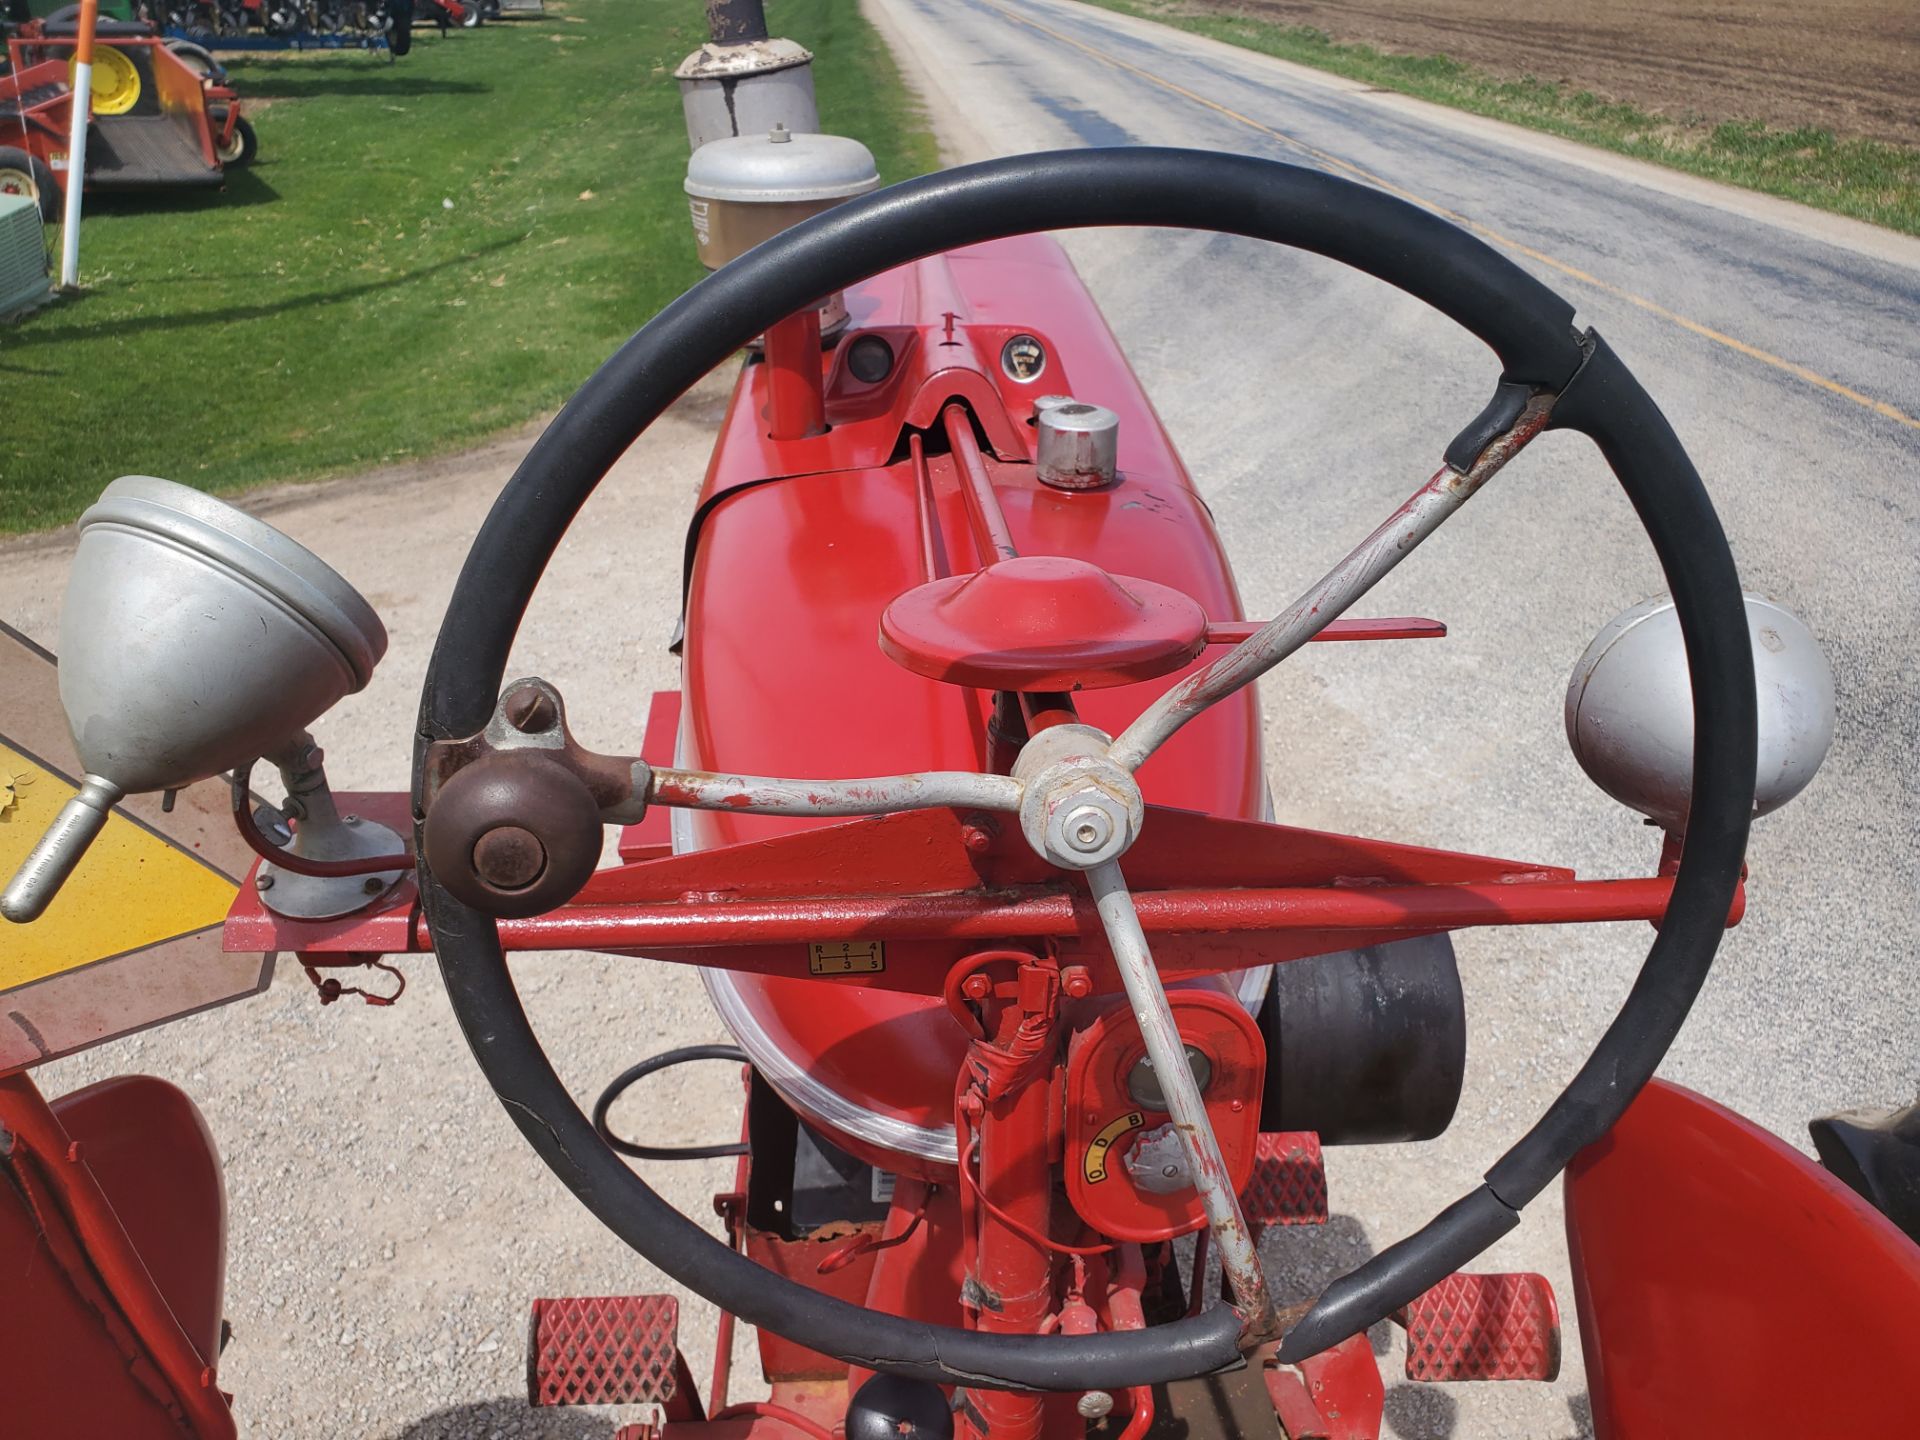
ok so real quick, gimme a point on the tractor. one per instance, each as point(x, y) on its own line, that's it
point(164, 116)
point(1045, 1017)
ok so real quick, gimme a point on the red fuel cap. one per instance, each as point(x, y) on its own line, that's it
point(1042, 622)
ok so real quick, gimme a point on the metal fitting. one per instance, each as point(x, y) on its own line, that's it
point(530, 715)
point(1088, 830)
point(1077, 809)
point(1094, 1405)
point(530, 709)
point(1158, 1162)
point(1077, 446)
point(1143, 1081)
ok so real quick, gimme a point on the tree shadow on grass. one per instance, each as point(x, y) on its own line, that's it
point(226, 314)
point(243, 187)
point(9, 368)
point(309, 85)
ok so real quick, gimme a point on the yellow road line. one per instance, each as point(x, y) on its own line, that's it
point(1652, 307)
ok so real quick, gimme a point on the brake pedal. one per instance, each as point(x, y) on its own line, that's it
point(604, 1350)
point(1484, 1327)
point(1289, 1183)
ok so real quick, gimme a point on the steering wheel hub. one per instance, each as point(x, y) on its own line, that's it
point(1078, 809)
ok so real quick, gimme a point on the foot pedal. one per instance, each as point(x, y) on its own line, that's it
point(1484, 1327)
point(604, 1350)
point(1289, 1184)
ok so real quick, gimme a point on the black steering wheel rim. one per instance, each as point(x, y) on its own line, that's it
point(1528, 327)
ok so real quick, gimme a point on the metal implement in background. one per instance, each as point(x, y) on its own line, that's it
point(171, 122)
point(24, 284)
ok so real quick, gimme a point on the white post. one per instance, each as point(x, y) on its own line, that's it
point(77, 144)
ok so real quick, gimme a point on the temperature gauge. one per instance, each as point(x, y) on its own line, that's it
point(1023, 358)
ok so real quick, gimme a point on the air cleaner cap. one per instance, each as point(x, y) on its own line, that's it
point(745, 189)
point(1078, 446)
point(714, 60)
point(781, 168)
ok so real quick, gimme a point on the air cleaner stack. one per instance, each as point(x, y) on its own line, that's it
point(742, 81)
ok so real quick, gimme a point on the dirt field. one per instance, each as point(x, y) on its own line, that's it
point(1850, 66)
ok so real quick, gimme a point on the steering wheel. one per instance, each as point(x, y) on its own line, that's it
point(1552, 376)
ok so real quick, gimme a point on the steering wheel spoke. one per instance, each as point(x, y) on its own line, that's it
point(1239, 1256)
point(1334, 593)
point(880, 795)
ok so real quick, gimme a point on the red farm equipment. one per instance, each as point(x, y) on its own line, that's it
point(160, 120)
point(1044, 1021)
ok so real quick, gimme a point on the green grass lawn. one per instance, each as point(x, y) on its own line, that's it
point(1866, 179)
point(425, 252)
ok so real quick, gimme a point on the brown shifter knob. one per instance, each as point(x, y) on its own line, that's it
point(514, 834)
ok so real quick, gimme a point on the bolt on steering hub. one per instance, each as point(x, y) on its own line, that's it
point(1077, 808)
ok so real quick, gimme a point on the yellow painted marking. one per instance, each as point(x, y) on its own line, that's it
point(847, 957)
point(1094, 1164)
point(1652, 307)
point(132, 890)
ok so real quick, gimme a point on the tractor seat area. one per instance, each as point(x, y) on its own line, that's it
point(138, 150)
point(149, 1147)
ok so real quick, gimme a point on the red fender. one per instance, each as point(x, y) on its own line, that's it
point(1728, 1286)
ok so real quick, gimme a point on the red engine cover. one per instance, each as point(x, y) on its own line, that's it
point(784, 674)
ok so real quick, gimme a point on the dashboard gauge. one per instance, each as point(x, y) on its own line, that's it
point(1023, 358)
point(870, 359)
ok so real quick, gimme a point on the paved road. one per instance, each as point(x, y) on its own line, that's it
point(1270, 368)
point(388, 1222)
